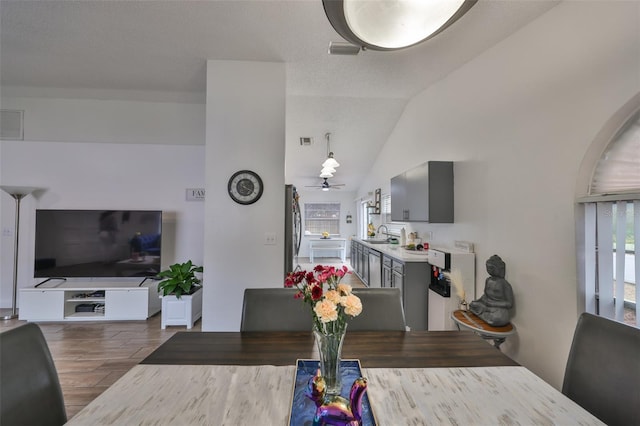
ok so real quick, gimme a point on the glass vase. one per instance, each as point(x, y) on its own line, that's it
point(329, 343)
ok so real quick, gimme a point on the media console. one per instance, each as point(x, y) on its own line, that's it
point(87, 300)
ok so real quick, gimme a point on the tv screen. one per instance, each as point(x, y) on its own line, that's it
point(97, 243)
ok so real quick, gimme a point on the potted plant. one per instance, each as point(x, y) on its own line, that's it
point(181, 294)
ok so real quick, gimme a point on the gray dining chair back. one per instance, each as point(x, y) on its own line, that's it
point(381, 310)
point(30, 392)
point(603, 370)
point(274, 309)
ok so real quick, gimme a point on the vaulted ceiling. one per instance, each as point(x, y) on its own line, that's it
point(145, 47)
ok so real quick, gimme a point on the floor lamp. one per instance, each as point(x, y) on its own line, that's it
point(18, 193)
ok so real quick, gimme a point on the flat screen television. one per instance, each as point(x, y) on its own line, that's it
point(97, 243)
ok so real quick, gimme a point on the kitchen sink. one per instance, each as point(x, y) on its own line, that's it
point(374, 241)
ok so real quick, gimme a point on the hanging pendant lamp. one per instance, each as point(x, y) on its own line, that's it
point(330, 162)
point(392, 24)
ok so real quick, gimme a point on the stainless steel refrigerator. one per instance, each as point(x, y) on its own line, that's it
point(292, 229)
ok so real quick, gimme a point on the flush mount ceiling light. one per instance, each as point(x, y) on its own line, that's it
point(392, 24)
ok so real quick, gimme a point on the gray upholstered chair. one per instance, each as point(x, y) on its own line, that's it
point(30, 392)
point(603, 370)
point(274, 309)
point(381, 310)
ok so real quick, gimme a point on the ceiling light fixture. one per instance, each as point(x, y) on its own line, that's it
point(327, 173)
point(392, 24)
point(330, 162)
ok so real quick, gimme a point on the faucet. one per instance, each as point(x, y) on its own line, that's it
point(385, 228)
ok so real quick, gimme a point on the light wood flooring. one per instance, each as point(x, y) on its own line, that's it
point(91, 356)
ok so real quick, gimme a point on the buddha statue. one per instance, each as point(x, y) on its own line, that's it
point(495, 304)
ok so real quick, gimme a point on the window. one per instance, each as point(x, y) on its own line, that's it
point(322, 217)
point(611, 253)
point(610, 257)
point(385, 210)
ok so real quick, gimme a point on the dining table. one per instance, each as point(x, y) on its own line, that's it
point(253, 378)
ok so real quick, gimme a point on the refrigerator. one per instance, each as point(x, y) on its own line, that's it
point(292, 229)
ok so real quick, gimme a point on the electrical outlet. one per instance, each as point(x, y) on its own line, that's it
point(270, 238)
point(464, 246)
point(428, 236)
point(7, 232)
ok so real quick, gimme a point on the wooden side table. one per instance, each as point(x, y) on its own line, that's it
point(470, 321)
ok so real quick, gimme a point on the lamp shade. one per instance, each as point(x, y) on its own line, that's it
point(392, 24)
point(18, 191)
point(330, 162)
point(329, 170)
point(324, 174)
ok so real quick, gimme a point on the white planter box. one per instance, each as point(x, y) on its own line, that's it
point(183, 311)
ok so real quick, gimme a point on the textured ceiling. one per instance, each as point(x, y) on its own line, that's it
point(162, 46)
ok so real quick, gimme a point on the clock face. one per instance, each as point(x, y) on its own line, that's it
point(245, 187)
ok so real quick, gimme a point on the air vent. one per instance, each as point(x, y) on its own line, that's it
point(306, 141)
point(11, 124)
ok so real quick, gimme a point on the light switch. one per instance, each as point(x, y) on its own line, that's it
point(270, 238)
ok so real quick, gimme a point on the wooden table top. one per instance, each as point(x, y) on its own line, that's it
point(475, 323)
point(374, 349)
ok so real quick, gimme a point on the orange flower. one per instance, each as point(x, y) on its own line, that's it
point(352, 305)
point(326, 311)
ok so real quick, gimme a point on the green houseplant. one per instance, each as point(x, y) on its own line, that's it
point(180, 279)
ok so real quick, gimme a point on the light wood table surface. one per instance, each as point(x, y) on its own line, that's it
point(419, 378)
point(261, 395)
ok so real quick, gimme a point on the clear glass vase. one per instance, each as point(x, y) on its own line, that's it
point(329, 342)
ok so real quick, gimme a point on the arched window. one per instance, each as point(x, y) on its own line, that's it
point(610, 249)
point(618, 169)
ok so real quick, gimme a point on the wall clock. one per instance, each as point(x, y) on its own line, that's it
point(245, 187)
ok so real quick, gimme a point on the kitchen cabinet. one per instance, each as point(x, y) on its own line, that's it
point(375, 269)
point(423, 193)
point(392, 269)
point(412, 279)
point(364, 265)
point(386, 272)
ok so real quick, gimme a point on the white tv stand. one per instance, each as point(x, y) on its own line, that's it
point(57, 300)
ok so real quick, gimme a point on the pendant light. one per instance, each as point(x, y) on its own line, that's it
point(330, 162)
point(392, 24)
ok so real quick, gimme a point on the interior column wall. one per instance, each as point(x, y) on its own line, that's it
point(245, 130)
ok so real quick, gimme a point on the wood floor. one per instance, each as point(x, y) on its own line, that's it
point(91, 356)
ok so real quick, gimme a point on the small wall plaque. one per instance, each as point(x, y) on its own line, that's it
point(195, 194)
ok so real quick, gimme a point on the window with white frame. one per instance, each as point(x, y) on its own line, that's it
point(322, 217)
point(611, 220)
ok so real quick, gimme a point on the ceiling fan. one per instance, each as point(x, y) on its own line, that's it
point(326, 185)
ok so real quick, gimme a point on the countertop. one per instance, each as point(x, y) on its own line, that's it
point(396, 252)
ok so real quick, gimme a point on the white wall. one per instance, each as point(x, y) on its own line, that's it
point(517, 121)
point(245, 122)
point(347, 205)
point(63, 119)
point(89, 175)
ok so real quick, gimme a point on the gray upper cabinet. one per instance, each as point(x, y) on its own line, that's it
point(423, 194)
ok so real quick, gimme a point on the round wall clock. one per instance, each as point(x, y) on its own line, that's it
point(245, 187)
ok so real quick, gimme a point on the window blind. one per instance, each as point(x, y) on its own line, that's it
point(618, 169)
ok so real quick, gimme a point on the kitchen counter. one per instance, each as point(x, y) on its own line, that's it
point(396, 252)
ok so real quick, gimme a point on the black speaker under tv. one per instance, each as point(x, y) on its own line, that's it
point(97, 243)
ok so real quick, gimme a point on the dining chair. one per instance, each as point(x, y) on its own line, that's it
point(30, 392)
point(381, 310)
point(603, 370)
point(274, 309)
